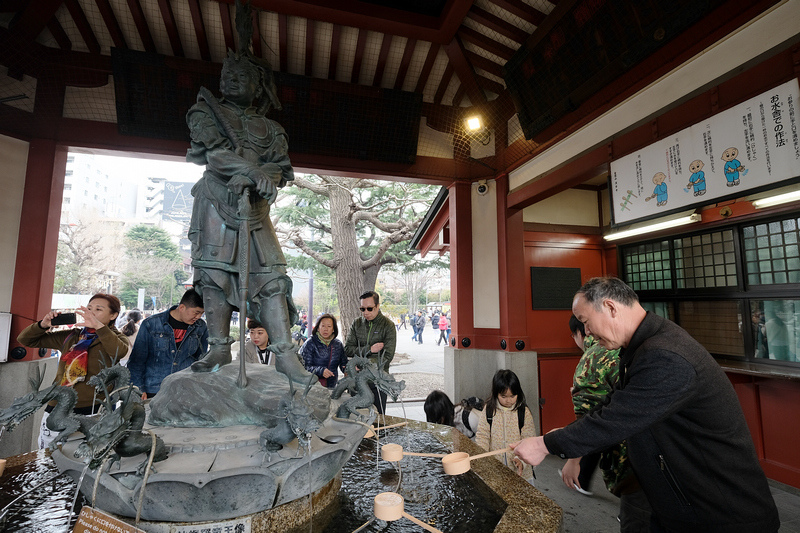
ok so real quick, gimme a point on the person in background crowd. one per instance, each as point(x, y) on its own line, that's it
point(256, 347)
point(372, 335)
point(167, 343)
point(131, 328)
point(444, 323)
point(323, 353)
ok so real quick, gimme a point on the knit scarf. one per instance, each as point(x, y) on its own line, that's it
point(76, 361)
point(322, 339)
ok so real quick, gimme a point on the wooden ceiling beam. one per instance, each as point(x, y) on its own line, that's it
point(336, 39)
point(112, 24)
point(30, 21)
point(495, 23)
point(59, 34)
point(359, 58)
point(84, 28)
point(522, 10)
point(482, 41)
point(377, 18)
point(386, 45)
point(426, 68)
point(461, 92)
point(141, 26)
point(283, 42)
point(444, 83)
point(464, 71)
point(478, 61)
point(227, 26)
point(200, 29)
point(408, 53)
point(256, 37)
point(309, 47)
point(491, 85)
point(171, 28)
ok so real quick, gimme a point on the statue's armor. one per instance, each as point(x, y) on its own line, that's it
point(214, 232)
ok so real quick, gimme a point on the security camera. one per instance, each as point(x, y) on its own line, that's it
point(483, 188)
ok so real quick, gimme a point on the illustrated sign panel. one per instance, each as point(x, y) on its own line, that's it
point(747, 147)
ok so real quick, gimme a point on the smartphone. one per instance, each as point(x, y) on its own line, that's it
point(64, 319)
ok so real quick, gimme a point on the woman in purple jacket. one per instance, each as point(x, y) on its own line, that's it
point(323, 353)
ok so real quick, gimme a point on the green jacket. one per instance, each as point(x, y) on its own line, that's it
point(363, 335)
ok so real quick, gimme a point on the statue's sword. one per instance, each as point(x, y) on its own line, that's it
point(244, 234)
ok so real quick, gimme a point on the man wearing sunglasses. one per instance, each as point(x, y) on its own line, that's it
point(374, 336)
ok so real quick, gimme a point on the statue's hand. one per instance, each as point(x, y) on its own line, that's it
point(238, 183)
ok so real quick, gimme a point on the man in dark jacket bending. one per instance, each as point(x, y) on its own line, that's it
point(688, 441)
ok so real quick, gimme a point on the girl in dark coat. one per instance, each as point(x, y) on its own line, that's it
point(323, 354)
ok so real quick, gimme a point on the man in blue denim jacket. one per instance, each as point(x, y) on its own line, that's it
point(168, 342)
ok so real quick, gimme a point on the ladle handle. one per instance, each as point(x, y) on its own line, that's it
point(425, 454)
point(379, 428)
point(487, 454)
point(421, 523)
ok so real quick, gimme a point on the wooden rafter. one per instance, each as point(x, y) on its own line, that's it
point(172, 29)
point(444, 83)
point(112, 24)
point(200, 29)
point(482, 41)
point(382, 58)
point(141, 26)
point(362, 43)
point(84, 28)
point(495, 23)
point(256, 39)
point(491, 85)
point(310, 26)
point(283, 42)
point(426, 68)
point(478, 61)
point(408, 53)
point(227, 26)
point(59, 34)
point(522, 10)
point(336, 38)
point(464, 71)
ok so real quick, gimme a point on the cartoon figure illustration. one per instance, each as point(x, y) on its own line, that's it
point(660, 191)
point(732, 166)
point(624, 203)
point(698, 178)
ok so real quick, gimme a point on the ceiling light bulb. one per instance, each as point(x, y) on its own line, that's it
point(473, 123)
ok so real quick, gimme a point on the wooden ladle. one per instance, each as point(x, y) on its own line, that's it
point(2, 466)
point(371, 431)
point(458, 462)
point(389, 506)
point(394, 453)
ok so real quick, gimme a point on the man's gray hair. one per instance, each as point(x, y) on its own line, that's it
point(608, 288)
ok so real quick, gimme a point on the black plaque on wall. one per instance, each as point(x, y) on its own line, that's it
point(554, 288)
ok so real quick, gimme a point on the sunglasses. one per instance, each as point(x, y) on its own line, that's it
point(367, 309)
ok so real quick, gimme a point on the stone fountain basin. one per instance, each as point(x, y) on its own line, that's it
point(215, 473)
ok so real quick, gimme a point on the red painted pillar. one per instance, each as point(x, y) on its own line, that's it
point(460, 202)
point(511, 264)
point(38, 236)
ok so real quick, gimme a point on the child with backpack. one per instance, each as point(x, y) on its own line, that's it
point(506, 419)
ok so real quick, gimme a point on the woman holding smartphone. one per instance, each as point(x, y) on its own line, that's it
point(93, 338)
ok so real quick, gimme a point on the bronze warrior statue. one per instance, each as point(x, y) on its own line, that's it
point(246, 160)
